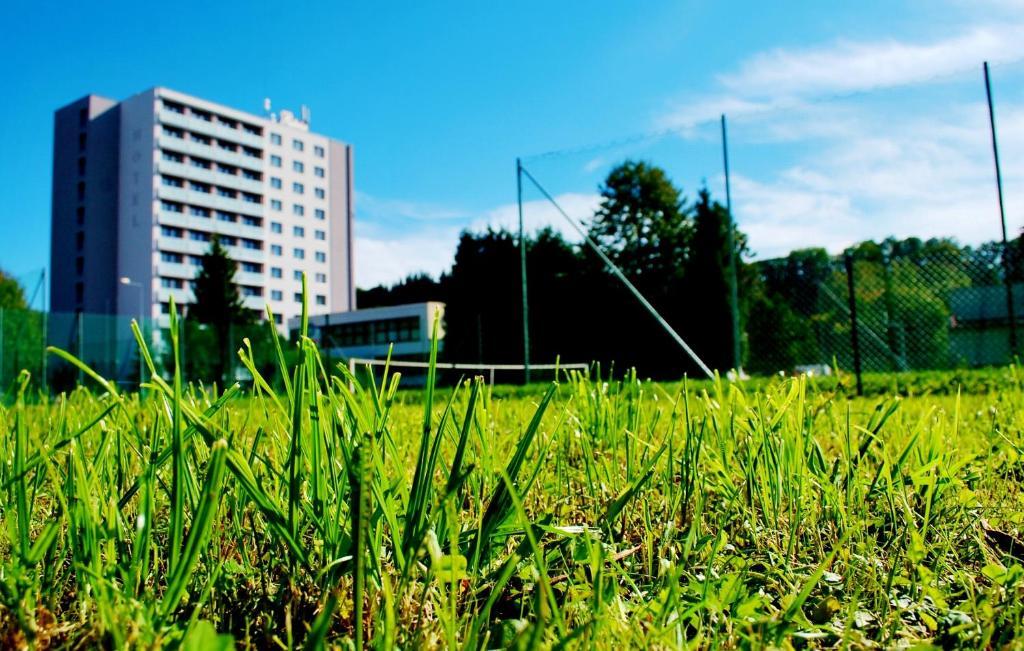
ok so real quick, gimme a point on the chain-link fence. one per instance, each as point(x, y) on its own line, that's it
point(107, 344)
point(890, 307)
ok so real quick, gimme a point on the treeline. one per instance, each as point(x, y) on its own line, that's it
point(792, 311)
point(674, 250)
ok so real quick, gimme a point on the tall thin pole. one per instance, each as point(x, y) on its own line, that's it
point(851, 293)
point(522, 269)
point(1008, 280)
point(734, 301)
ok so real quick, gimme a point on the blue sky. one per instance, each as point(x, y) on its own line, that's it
point(847, 120)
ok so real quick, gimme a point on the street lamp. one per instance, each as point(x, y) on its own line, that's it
point(126, 281)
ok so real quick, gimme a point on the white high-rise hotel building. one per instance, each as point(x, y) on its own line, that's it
point(140, 186)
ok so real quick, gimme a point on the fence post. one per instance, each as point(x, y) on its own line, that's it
point(81, 345)
point(854, 336)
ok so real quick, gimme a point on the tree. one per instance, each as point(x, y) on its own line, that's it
point(709, 277)
point(217, 302)
point(12, 296)
point(642, 223)
point(414, 288)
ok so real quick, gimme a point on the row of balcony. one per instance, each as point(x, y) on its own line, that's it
point(209, 152)
point(210, 225)
point(195, 247)
point(211, 176)
point(211, 129)
point(209, 200)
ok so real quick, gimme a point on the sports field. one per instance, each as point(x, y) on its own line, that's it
point(308, 510)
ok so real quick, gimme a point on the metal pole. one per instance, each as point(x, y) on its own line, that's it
point(854, 336)
point(1008, 279)
point(734, 301)
point(81, 345)
point(522, 268)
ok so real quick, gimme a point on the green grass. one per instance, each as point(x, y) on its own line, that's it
point(307, 510)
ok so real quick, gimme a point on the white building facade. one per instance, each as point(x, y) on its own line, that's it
point(141, 186)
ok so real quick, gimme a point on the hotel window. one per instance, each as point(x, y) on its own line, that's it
point(298, 188)
point(225, 192)
point(227, 146)
point(278, 319)
point(320, 194)
point(252, 245)
point(320, 214)
point(201, 115)
point(319, 172)
point(275, 139)
point(251, 267)
point(298, 297)
point(171, 283)
point(201, 139)
point(297, 145)
point(275, 249)
point(199, 187)
point(298, 210)
point(170, 231)
point(172, 182)
point(81, 190)
point(318, 151)
point(297, 275)
point(195, 260)
point(298, 231)
point(321, 256)
point(298, 166)
point(170, 206)
point(251, 291)
point(172, 157)
point(321, 299)
point(200, 236)
point(200, 163)
point(320, 235)
point(321, 277)
point(227, 240)
point(168, 131)
point(174, 108)
point(275, 183)
point(275, 161)
point(252, 176)
point(250, 198)
point(251, 130)
point(80, 215)
point(298, 254)
point(225, 169)
point(275, 204)
point(81, 140)
point(198, 212)
point(275, 227)
point(167, 256)
point(251, 221)
point(275, 272)
point(80, 240)
point(276, 295)
point(225, 216)
point(252, 152)
point(228, 122)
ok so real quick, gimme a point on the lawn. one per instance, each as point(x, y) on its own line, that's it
point(308, 510)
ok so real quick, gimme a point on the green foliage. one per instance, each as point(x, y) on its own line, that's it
point(12, 295)
point(600, 512)
point(218, 304)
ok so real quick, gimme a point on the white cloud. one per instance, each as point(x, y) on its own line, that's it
point(868, 166)
point(846, 66)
